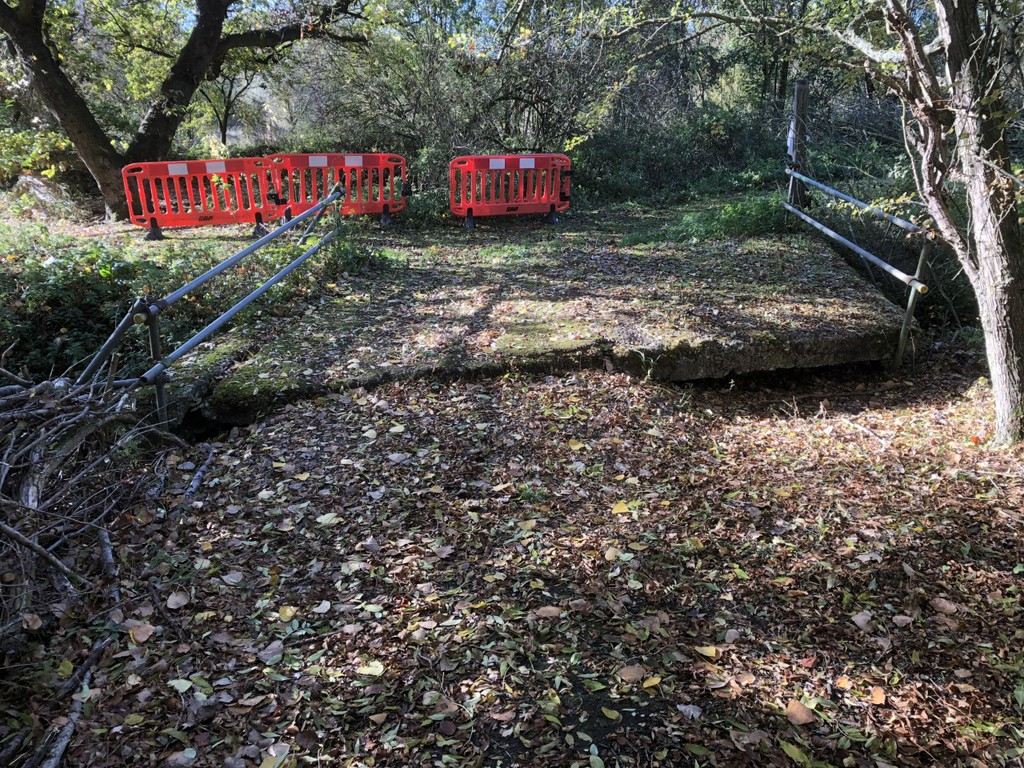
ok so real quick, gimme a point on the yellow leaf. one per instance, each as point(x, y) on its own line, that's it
point(527, 525)
point(611, 714)
point(287, 612)
point(844, 683)
point(575, 445)
point(620, 508)
point(652, 681)
point(302, 476)
point(372, 668)
point(711, 651)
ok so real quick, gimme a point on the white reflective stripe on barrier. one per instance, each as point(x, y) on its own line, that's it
point(497, 162)
point(216, 167)
point(527, 162)
point(318, 161)
point(354, 161)
point(177, 169)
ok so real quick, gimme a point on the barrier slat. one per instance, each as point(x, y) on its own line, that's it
point(509, 185)
point(253, 190)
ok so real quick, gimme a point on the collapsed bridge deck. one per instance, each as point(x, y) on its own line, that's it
point(615, 291)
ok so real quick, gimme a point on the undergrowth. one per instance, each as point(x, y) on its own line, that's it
point(62, 295)
point(751, 215)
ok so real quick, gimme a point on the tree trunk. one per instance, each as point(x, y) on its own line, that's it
point(72, 113)
point(1001, 309)
point(156, 133)
point(995, 260)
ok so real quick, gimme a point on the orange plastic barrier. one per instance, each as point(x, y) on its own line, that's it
point(254, 190)
point(508, 185)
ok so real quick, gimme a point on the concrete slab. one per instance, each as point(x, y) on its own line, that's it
point(523, 296)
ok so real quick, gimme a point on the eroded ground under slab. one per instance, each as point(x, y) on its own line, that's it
point(524, 296)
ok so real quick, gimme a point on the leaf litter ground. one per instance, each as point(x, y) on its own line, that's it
point(585, 569)
point(578, 570)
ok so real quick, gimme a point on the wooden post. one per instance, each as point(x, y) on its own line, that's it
point(797, 145)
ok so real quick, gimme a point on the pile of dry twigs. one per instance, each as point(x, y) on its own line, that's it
point(71, 461)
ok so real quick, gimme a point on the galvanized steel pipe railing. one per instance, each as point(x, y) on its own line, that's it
point(914, 282)
point(148, 311)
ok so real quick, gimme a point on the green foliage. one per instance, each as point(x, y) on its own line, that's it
point(63, 295)
point(36, 151)
point(712, 150)
point(751, 215)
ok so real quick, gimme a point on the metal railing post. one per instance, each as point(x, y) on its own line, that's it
point(156, 355)
point(112, 342)
point(908, 316)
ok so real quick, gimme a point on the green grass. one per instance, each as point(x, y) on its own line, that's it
point(752, 215)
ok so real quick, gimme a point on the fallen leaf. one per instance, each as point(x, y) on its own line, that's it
point(287, 612)
point(798, 714)
point(620, 508)
point(710, 651)
point(31, 621)
point(844, 683)
point(632, 673)
point(323, 607)
point(901, 620)
point(942, 605)
point(503, 717)
point(139, 631)
point(877, 695)
point(652, 681)
point(232, 578)
point(548, 612)
point(611, 714)
point(575, 445)
point(795, 753)
point(372, 669)
point(180, 685)
point(177, 599)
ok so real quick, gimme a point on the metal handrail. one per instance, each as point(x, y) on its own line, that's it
point(909, 226)
point(225, 317)
point(886, 267)
point(148, 311)
point(917, 287)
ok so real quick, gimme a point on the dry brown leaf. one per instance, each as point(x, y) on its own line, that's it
point(798, 714)
point(942, 605)
point(139, 631)
point(877, 695)
point(548, 612)
point(632, 674)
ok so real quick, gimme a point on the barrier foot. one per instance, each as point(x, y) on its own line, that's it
point(288, 214)
point(259, 231)
point(385, 218)
point(154, 233)
point(470, 224)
